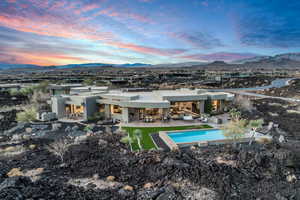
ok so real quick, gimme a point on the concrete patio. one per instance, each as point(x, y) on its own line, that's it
point(170, 123)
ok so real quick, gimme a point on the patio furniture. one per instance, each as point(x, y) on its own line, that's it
point(205, 120)
point(188, 118)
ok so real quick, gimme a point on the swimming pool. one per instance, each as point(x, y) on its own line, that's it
point(196, 135)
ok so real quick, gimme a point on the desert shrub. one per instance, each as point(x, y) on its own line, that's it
point(59, 148)
point(243, 103)
point(97, 116)
point(29, 114)
point(126, 140)
point(88, 128)
point(39, 97)
point(28, 91)
point(88, 82)
point(14, 92)
point(42, 87)
point(235, 130)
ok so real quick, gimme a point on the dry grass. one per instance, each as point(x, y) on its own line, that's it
point(12, 151)
point(128, 188)
point(33, 174)
point(273, 114)
point(220, 160)
point(293, 111)
point(15, 172)
point(264, 140)
point(99, 184)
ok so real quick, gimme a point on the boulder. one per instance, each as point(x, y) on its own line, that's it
point(169, 193)
point(14, 182)
point(102, 143)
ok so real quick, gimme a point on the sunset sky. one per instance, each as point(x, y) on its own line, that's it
point(56, 32)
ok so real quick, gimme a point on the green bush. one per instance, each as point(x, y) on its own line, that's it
point(29, 114)
point(27, 91)
point(126, 140)
point(96, 117)
point(208, 107)
point(43, 86)
point(14, 92)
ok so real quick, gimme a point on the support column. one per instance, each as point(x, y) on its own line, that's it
point(221, 108)
point(107, 111)
point(201, 106)
point(125, 114)
point(165, 112)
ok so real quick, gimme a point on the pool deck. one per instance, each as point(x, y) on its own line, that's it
point(174, 146)
point(159, 142)
point(171, 123)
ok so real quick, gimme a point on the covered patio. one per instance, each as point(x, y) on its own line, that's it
point(74, 112)
point(170, 123)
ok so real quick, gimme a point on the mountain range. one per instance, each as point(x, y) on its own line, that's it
point(285, 60)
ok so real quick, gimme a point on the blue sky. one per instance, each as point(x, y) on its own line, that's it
point(54, 32)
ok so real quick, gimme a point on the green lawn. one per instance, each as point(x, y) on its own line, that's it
point(147, 142)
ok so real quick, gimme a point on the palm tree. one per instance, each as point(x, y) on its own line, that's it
point(235, 115)
point(138, 136)
point(254, 125)
point(235, 130)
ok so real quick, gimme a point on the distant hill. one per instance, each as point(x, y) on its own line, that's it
point(4, 66)
point(133, 65)
point(288, 60)
point(184, 64)
point(80, 65)
point(279, 57)
point(253, 59)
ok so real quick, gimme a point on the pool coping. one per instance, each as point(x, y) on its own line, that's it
point(175, 146)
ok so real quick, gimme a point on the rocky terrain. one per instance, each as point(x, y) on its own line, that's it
point(285, 114)
point(8, 109)
point(7, 100)
point(292, 90)
point(96, 165)
point(246, 82)
point(100, 167)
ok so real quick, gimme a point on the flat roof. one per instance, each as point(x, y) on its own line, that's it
point(156, 96)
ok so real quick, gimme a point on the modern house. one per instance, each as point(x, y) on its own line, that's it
point(8, 87)
point(127, 106)
point(62, 89)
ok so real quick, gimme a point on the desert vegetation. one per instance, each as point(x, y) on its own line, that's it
point(28, 114)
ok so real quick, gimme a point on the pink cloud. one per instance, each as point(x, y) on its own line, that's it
point(87, 8)
point(49, 25)
point(57, 5)
point(11, 1)
point(111, 12)
point(14, 55)
point(147, 50)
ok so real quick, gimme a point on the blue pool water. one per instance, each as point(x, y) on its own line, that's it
point(196, 135)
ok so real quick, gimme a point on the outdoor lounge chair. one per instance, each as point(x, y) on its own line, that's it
point(188, 118)
point(267, 129)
